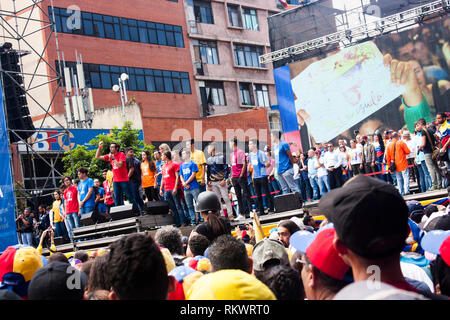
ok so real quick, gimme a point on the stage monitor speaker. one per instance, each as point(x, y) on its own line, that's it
point(123, 212)
point(92, 217)
point(288, 202)
point(59, 241)
point(157, 207)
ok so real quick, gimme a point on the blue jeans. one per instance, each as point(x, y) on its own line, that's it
point(176, 207)
point(424, 176)
point(134, 191)
point(27, 238)
point(85, 210)
point(403, 181)
point(314, 181)
point(191, 195)
point(60, 229)
point(287, 181)
point(324, 184)
point(74, 220)
point(274, 186)
point(119, 189)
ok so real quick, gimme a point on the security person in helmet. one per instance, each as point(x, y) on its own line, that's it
point(209, 206)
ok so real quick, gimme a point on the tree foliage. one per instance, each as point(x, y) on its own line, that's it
point(82, 156)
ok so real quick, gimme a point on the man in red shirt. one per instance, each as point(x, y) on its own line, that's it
point(71, 204)
point(121, 183)
point(169, 183)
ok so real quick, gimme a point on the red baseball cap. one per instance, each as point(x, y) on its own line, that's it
point(324, 256)
point(444, 250)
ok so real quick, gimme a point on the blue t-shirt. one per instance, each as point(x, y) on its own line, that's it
point(258, 161)
point(83, 189)
point(186, 170)
point(101, 205)
point(158, 170)
point(282, 159)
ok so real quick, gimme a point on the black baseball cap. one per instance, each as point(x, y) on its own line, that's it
point(369, 215)
point(57, 281)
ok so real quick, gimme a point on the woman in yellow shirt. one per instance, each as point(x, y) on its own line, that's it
point(56, 217)
point(148, 169)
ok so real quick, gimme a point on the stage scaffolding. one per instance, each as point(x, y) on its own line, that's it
point(348, 35)
point(28, 26)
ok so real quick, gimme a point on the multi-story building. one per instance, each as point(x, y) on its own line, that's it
point(226, 37)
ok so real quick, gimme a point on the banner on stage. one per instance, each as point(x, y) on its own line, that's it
point(8, 235)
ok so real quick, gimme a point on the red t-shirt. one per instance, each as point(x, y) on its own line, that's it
point(71, 200)
point(168, 174)
point(119, 174)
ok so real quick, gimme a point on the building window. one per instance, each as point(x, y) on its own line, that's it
point(247, 56)
point(208, 52)
point(140, 79)
point(250, 19)
point(262, 95)
point(234, 16)
point(246, 96)
point(203, 12)
point(215, 93)
point(103, 26)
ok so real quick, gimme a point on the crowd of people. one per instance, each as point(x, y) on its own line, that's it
point(243, 181)
point(379, 248)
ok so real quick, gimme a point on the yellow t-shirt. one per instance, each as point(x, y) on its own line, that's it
point(199, 158)
point(56, 214)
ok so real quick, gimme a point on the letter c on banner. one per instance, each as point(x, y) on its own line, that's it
point(61, 141)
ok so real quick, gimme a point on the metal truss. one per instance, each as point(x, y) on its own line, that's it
point(18, 27)
point(350, 36)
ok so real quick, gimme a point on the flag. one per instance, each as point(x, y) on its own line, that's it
point(259, 234)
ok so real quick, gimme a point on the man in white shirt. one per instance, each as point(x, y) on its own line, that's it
point(413, 172)
point(333, 164)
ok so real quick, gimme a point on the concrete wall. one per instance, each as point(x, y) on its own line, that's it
point(104, 118)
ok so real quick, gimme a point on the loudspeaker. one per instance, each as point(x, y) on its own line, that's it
point(157, 207)
point(59, 241)
point(18, 114)
point(92, 217)
point(123, 212)
point(288, 202)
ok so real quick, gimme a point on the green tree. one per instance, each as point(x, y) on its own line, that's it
point(83, 157)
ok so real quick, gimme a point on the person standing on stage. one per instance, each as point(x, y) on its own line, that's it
point(199, 158)
point(121, 183)
point(260, 162)
point(239, 179)
point(109, 198)
point(134, 177)
point(284, 164)
point(71, 204)
point(217, 173)
point(148, 169)
point(85, 191)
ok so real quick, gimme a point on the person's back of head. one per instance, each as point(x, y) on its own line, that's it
point(170, 237)
point(52, 283)
point(58, 256)
point(227, 252)
point(197, 245)
point(81, 255)
point(284, 282)
point(137, 269)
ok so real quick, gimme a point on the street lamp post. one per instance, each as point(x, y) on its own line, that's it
point(121, 88)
